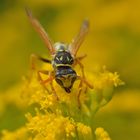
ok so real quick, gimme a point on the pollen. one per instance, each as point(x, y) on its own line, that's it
point(101, 134)
point(85, 130)
point(70, 129)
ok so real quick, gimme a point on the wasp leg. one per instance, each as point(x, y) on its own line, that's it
point(82, 80)
point(54, 92)
point(78, 61)
point(79, 94)
point(33, 61)
point(50, 80)
point(34, 57)
point(40, 78)
point(85, 81)
point(82, 67)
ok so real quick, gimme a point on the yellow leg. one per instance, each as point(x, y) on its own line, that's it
point(33, 59)
point(53, 90)
point(82, 68)
point(81, 78)
point(40, 78)
point(50, 80)
point(79, 94)
point(78, 61)
point(85, 81)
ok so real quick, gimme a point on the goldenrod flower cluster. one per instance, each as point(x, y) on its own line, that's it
point(101, 134)
point(64, 119)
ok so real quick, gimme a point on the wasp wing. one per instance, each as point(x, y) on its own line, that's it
point(41, 31)
point(77, 41)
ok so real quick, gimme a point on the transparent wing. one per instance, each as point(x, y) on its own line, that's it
point(77, 41)
point(41, 31)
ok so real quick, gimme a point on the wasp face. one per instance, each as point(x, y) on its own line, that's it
point(65, 77)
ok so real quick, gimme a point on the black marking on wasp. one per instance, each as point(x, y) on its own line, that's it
point(63, 58)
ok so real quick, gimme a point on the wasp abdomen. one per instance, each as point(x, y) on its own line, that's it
point(64, 70)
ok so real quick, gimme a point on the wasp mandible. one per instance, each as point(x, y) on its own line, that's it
point(63, 57)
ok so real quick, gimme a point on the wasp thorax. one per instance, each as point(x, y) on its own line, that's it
point(65, 77)
point(62, 57)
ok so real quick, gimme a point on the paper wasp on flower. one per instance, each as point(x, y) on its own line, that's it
point(63, 58)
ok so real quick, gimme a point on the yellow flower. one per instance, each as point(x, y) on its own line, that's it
point(105, 78)
point(70, 129)
point(70, 117)
point(50, 126)
point(21, 134)
point(83, 129)
point(101, 134)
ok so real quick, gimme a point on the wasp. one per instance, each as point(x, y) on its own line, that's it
point(63, 57)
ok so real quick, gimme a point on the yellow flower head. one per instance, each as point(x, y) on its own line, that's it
point(70, 116)
point(85, 130)
point(101, 134)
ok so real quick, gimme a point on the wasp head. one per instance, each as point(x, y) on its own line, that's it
point(65, 77)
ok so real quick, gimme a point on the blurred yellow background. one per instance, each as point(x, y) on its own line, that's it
point(113, 40)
